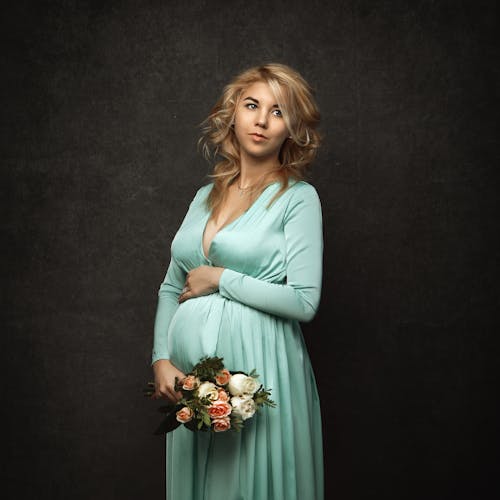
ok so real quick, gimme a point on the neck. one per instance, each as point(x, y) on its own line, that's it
point(252, 169)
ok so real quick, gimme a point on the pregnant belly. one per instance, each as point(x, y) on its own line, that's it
point(193, 330)
point(212, 325)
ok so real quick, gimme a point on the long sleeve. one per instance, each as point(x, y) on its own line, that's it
point(168, 295)
point(299, 298)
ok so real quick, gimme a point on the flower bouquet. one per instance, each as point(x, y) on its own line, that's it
point(213, 399)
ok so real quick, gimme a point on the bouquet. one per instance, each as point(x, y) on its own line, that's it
point(213, 399)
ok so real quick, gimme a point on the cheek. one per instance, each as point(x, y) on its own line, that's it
point(240, 124)
point(238, 134)
point(241, 117)
point(281, 130)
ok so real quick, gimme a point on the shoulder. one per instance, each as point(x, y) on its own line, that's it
point(303, 190)
point(303, 201)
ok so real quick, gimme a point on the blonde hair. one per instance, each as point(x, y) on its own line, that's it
point(299, 111)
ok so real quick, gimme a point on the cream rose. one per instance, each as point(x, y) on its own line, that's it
point(243, 406)
point(241, 384)
point(184, 415)
point(208, 390)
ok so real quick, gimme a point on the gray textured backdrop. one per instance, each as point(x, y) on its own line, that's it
point(100, 109)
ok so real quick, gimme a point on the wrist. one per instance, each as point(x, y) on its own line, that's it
point(217, 272)
point(160, 362)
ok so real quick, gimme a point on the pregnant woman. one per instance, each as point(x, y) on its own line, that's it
point(245, 269)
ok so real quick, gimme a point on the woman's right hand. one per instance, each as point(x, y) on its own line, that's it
point(165, 373)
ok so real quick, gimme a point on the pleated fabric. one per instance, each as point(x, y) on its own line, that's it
point(272, 280)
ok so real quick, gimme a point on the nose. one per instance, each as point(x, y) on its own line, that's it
point(262, 120)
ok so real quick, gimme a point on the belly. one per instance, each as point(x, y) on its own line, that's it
point(244, 337)
point(194, 329)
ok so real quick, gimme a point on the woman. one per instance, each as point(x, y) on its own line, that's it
point(245, 268)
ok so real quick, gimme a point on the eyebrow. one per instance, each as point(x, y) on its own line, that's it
point(257, 101)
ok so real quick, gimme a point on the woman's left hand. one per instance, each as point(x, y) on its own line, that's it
point(202, 280)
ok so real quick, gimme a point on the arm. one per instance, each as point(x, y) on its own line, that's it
point(299, 297)
point(168, 295)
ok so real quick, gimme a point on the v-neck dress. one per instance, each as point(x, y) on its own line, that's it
point(272, 260)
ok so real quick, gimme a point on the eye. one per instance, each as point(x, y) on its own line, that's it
point(278, 113)
point(251, 105)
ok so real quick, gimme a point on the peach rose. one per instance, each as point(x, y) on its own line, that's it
point(222, 378)
point(221, 424)
point(190, 383)
point(184, 415)
point(223, 395)
point(219, 409)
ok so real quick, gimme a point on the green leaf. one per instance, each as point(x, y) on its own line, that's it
point(206, 418)
point(261, 397)
point(207, 368)
point(150, 389)
point(236, 423)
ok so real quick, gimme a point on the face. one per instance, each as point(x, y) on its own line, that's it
point(258, 124)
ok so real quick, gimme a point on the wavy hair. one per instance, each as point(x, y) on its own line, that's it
point(301, 116)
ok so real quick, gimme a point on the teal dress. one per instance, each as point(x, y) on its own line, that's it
point(271, 281)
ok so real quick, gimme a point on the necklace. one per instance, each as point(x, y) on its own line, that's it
point(250, 189)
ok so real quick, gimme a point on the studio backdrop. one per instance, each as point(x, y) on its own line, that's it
point(102, 103)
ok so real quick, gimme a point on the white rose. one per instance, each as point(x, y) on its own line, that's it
point(208, 390)
point(240, 384)
point(243, 407)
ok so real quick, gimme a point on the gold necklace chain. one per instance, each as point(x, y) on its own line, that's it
point(250, 189)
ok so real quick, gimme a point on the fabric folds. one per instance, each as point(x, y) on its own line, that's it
point(272, 280)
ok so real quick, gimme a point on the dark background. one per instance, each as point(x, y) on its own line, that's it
point(101, 102)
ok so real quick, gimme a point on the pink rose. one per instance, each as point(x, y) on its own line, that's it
point(184, 415)
point(222, 378)
point(223, 395)
point(221, 424)
point(219, 409)
point(190, 383)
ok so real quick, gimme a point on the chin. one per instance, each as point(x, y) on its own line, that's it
point(261, 152)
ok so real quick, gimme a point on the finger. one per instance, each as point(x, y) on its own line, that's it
point(162, 390)
point(166, 395)
point(169, 394)
point(174, 395)
point(156, 391)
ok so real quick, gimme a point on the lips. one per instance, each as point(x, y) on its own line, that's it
point(259, 135)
